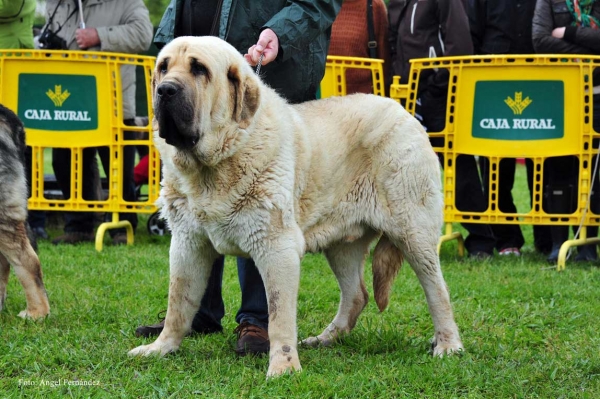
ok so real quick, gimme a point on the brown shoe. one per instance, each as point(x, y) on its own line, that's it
point(251, 339)
point(74, 238)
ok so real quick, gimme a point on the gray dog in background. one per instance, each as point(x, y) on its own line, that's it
point(15, 244)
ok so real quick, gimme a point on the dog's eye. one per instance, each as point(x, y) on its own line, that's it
point(197, 68)
point(164, 66)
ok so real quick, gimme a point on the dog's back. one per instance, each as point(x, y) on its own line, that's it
point(15, 245)
point(13, 195)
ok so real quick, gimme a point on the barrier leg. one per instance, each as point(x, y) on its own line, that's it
point(115, 224)
point(452, 235)
point(564, 249)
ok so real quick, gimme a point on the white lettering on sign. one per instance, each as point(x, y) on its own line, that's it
point(517, 123)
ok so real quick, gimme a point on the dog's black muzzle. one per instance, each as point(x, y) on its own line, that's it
point(175, 116)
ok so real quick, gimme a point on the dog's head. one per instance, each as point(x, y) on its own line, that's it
point(204, 96)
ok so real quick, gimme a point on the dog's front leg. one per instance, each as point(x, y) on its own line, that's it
point(279, 267)
point(190, 266)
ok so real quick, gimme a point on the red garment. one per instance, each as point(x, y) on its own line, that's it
point(140, 172)
point(350, 35)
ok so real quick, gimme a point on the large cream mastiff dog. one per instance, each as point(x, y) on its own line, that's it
point(246, 174)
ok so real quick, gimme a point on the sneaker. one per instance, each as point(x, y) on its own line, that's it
point(154, 330)
point(40, 233)
point(251, 339)
point(510, 251)
point(74, 238)
point(120, 239)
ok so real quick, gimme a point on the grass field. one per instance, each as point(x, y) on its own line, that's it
point(528, 331)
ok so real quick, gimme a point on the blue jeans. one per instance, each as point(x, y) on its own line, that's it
point(254, 308)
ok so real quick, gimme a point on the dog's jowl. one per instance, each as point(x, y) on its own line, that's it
point(15, 246)
point(247, 174)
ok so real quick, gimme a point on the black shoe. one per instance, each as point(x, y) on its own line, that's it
point(74, 238)
point(553, 257)
point(251, 339)
point(40, 233)
point(586, 253)
point(481, 255)
point(155, 329)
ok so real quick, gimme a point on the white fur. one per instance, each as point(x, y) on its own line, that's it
point(329, 175)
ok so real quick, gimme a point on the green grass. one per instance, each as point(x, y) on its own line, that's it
point(528, 331)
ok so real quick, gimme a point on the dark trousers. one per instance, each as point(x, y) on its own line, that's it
point(507, 235)
point(431, 111)
point(542, 239)
point(562, 177)
point(253, 308)
point(83, 222)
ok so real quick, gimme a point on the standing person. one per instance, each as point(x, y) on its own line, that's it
point(504, 27)
point(350, 38)
point(569, 27)
point(16, 23)
point(423, 29)
point(114, 26)
point(16, 32)
point(293, 63)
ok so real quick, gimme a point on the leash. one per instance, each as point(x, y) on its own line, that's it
point(259, 63)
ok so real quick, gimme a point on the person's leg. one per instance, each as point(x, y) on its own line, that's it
point(80, 224)
point(470, 198)
point(431, 112)
point(254, 308)
point(212, 309)
point(508, 236)
point(542, 239)
point(128, 183)
point(560, 193)
point(253, 315)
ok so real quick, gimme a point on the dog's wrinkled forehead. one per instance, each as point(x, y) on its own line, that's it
point(199, 54)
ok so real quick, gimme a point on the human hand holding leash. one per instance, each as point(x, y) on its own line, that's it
point(267, 45)
point(87, 38)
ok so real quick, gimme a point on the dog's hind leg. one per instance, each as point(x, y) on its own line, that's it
point(4, 273)
point(419, 245)
point(347, 261)
point(18, 251)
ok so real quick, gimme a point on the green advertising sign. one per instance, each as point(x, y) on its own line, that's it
point(519, 110)
point(58, 102)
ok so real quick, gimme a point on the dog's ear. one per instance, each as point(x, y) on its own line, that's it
point(244, 96)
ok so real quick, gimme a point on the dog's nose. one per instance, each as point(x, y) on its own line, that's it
point(167, 90)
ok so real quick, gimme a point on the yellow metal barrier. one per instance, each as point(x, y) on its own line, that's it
point(531, 106)
point(73, 99)
point(334, 81)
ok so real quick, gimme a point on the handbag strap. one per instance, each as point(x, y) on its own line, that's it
point(372, 43)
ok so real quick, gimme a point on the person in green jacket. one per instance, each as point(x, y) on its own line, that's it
point(16, 23)
point(293, 39)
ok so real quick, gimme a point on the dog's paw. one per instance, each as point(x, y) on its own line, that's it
point(328, 337)
point(446, 344)
point(283, 361)
point(153, 349)
point(314, 342)
point(33, 314)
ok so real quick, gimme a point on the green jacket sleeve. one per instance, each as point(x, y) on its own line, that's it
point(300, 22)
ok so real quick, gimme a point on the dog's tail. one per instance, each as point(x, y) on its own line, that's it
point(387, 261)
